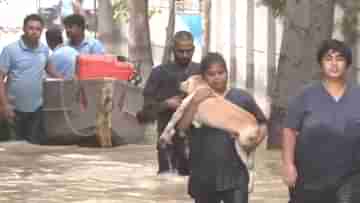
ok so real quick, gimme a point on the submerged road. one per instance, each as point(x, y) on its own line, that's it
point(57, 174)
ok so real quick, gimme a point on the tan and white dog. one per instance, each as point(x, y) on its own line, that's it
point(217, 112)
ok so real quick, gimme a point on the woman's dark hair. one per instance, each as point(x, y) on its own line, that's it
point(75, 19)
point(335, 45)
point(211, 58)
point(33, 17)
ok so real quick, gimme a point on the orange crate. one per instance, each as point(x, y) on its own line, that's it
point(100, 66)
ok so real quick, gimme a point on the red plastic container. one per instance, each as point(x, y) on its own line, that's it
point(101, 66)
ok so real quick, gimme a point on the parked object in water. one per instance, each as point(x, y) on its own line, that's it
point(70, 118)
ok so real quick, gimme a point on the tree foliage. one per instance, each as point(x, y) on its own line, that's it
point(350, 20)
point(121, 10)
point(348, 23)
point(277, 6)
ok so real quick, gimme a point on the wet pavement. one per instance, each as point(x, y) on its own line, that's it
point(57, 174)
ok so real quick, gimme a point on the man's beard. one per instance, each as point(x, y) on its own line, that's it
point(183, 62)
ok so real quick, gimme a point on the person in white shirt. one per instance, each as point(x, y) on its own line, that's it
point(69, 7)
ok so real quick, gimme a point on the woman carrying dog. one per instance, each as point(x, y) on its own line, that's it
point(217, 173)
point(321, 140)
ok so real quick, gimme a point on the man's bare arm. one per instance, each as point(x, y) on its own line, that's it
point(3, 98)
point(6, 111)
point(263, 132)
point(51, 71)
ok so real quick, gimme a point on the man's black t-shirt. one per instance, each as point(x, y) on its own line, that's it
point(162, 84)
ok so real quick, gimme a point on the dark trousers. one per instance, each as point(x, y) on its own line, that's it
point(29, 126)
point(228, 196)
point(291, 195)
point(173, 157)
point(347, 192)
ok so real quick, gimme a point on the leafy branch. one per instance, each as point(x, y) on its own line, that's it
point(121, 10)
point(277, 6)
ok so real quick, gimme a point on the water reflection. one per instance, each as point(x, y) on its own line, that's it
point(57, 174)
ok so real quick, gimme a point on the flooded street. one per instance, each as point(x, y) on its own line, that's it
point(57, 174)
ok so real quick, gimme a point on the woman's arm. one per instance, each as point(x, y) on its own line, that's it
point(255, 110)
point(188, 116)
point(288, 154)
point(263, 132)
point(292, 125)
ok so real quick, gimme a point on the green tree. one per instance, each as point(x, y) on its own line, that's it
point(293, 75)
point(121, 10)
point(277, 6)
point(306, 24)
point(205, 13)
point(349, 28)
point(169, 33)
point(106, 23)
point(139, 43)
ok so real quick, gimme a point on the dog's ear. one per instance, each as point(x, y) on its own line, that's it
point(193, 82)
point(198, 79)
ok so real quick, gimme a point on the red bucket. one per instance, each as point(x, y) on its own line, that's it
point(102, 66)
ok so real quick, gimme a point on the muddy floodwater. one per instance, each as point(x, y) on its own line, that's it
point(56, 174)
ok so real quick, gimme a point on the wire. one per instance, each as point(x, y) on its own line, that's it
point(65, 111)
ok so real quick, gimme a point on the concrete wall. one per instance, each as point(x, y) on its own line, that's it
point(266, 36)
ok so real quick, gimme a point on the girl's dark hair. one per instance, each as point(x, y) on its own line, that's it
point(211, 58)
point(335, 45)
point(33, 17)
